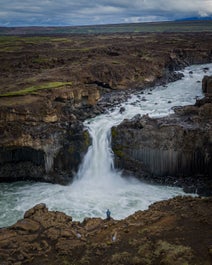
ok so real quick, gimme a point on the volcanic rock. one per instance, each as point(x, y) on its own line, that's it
point(174, 150)
point(174, 232)
point(207, 85)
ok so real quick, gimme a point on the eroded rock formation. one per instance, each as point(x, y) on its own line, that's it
point(174, 232)
point(42, 140)
point(174, 150)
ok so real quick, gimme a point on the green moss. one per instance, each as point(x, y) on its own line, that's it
point(80, 49)
point(121, 257)
point(61, 40)
point(118, 152)
point(85, 261)
point(65, 261)
point(10, 44)
point(139, 78)
point(9, 39)
point(41, 60)
point(117, 149)
point(145, 253)
point(114, 132)
point(37, 39)
point(14, 40)
point(136, 261)
point(32, 89)
point(79, 145)
point(87, 139)
point(143, 231)
point(71, 149)
point(14, 43)
point(10, 48)
point(173, 254)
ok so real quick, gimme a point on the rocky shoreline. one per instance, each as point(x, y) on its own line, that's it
point(176, 231)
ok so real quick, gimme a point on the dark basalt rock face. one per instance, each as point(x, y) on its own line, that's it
point(207, 85)
point(175, 150)
point(21, 163)
point(56, 163)
point(41, 149)
point(68, 158)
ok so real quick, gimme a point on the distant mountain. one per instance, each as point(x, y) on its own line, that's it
point(195, 18)
point(186, 25)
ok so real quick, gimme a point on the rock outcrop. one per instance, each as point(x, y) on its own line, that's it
point(207, 85)
point(42, 140)
point(174, 150)
point(173, 232)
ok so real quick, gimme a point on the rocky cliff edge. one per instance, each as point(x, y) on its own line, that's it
point(172, 232)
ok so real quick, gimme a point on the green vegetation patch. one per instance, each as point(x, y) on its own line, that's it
point(33, 89)
point(16, 43)
point(37, 39)
point(10, 43)
point(41, 60)
point(118, 153)
point(173, 254)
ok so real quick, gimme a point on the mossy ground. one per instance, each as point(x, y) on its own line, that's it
point(33, 89)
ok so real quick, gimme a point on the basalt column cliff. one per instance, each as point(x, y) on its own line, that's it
point(174, 150)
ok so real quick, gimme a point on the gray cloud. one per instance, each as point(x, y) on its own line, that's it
point(84, 12)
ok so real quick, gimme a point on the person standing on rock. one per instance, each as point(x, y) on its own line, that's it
point(108, 214)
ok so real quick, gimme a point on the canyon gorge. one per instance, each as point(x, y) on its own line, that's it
point(52, 90)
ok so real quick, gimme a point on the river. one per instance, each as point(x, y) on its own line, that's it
point(98, 185)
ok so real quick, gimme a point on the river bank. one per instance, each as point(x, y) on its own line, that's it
point(174, 232)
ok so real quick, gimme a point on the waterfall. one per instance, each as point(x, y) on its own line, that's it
point(98, 185)
point(97, 170)
point(98, 167)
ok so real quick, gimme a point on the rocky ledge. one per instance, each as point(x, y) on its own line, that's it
point(174, 150)
point(172, 232)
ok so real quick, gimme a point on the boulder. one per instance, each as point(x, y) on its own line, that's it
point(207, 85)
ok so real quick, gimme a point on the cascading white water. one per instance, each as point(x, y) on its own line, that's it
point(98, 185)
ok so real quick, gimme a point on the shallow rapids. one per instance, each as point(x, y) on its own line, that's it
point(98, 185)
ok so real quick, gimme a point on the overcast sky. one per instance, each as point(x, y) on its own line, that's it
point(87, 12)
